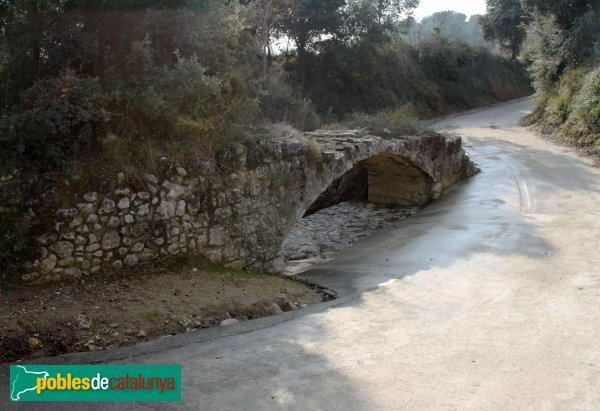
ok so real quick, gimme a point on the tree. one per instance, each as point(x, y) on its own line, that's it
point(72, 71)
point(504, 21)
point(565, 34)
point(378, 19)
point(305, 21)
point(565, 13)
point(451, 24)
point(267, 15)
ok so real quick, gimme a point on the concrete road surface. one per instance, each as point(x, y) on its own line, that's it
point(488, 299)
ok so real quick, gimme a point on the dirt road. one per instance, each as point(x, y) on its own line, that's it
point(489, 299)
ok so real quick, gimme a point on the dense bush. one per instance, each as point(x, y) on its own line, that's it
point(51, 122)
point(584, 119)
point(135, 78)
point(573, 108)
point(563, 50)
point(437, 76)
point(76, 72)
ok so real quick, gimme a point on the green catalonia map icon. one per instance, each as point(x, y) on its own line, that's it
point(22, 380)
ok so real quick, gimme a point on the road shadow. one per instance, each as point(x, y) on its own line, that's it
point(266, 369)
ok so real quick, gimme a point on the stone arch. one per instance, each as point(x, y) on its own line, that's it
point(230, 209)
point(395, 181)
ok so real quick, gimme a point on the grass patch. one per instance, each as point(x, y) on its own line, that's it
point(140, 303)
point(397, 122)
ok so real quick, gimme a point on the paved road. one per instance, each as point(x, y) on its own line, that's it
point(489, 299)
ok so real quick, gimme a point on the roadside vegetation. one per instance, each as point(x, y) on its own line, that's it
point(563, 53)
point(146, 302)
point(83, 79)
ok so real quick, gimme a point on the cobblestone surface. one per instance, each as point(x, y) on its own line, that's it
point(317, 237)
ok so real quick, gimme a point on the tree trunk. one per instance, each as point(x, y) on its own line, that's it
point(35, 22)
point(302, 66)
point(35, 60)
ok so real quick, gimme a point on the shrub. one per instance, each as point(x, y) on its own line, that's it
point(387, 123)
point(144, 72)
point(436, 76)
point(53, 121)
point(583, 121)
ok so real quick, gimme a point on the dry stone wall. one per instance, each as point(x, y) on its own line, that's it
point(235, 209)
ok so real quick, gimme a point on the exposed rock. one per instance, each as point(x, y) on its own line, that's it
point(85, 208)
point(308, 243)
point(71, 273)
point(123, 204)
point(34, 343)
point(90, 197)
point(40, 253)
point(181, 204)
point(107, 206)
point(66, 212)
point(175, 191)
point(46, 239)
point(66, 262)
point(229, 321)
point(48, 264)
point(131, 260)
point(62, 249)
point(276, 308)
point(330, 293)
point(92, 247)
point(151, 178)
point(111, 240)
point(218, 236)
point(82, 322)
point(165, 210)
point(138, 230)
point(137, 247)
point(143, 210)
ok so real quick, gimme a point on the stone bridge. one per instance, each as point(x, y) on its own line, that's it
point(407, 171)
point(236, 208)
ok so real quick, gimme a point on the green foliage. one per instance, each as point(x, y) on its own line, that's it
point(559, 103)
point(504, 22)
point(137, 78)
point(566, 14)
point(563, 55)
point(377, 20)
point(395, 122)
point(437, 76)
point(564, 36)
point(572, 108)
point(305, 21)
point(583, 120)
point(451, 25)
point(136, 70)
point(52, 121)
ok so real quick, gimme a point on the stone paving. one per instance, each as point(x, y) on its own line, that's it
point(317, 237)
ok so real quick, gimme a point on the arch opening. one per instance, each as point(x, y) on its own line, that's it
point(376, 193)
